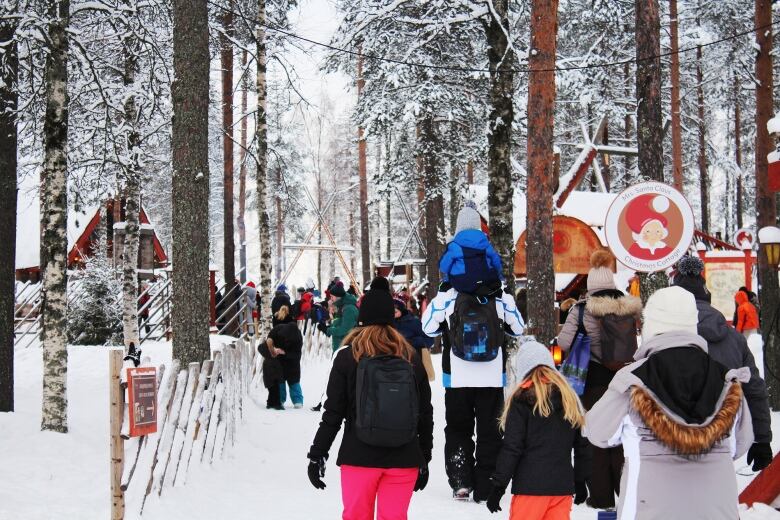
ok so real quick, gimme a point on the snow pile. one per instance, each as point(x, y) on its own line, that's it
point(769, 235)
point(773, 125)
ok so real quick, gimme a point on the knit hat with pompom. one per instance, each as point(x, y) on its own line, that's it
point(600, 275)
point(688, 276)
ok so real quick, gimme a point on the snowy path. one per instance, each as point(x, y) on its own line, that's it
point(47, 476)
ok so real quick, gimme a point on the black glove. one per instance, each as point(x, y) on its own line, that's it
point(316, 472)
point(580, 492)
point(445, 286)
point(759, 455)
point(322, 328)
point(422, 478)
point(494, 499)
point(133, 355)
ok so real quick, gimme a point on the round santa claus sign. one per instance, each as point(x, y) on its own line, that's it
point(649, 226)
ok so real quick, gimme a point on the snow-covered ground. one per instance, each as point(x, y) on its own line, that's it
point(52, 476)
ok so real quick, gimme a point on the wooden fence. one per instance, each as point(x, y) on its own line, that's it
point(199, 407)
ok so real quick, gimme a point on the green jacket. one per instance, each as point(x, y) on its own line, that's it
point(345, 320)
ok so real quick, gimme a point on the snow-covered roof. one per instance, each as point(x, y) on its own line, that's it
point(588, 206)
point(28, 228)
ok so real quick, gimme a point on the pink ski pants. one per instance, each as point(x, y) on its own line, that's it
point(391, 490)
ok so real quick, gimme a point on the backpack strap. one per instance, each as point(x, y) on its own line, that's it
point(581, 319)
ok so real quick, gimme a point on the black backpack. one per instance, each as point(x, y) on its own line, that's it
point(618, 340)
point(476, 332)
point(387, 402)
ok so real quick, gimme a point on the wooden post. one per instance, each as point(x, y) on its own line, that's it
point(749, 269)
point(117, 406)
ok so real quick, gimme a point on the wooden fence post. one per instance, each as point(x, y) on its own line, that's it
point(116, 413)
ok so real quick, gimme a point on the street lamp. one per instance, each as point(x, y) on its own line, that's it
point(769, 239)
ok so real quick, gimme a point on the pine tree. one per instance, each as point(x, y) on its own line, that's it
point(189, 143)
point(95, 315)
point(9, 99)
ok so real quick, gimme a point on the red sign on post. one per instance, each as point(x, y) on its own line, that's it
point(142, 405)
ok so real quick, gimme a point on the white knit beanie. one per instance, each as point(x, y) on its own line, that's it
point(468, 218)
point(670, 309)
point(530, 355)
point(600, 279)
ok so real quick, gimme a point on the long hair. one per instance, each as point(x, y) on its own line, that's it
point(282, 313)
point(373, 340)
point(542, 379)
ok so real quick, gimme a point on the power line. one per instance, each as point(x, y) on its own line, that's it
point(521, 70)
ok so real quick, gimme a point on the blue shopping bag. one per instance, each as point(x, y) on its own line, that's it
point(575, 366)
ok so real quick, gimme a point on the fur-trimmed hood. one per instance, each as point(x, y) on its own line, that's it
point(625, 305)
point(682, 438)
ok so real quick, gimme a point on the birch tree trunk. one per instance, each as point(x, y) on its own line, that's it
point(242, 171)
point(648, 90)
point(769, 293)
point(677, 162)
point(9, 99)
point(229, 245)
point(279, 224)
point(704, 183)
point(131, 172)
point(500, 186)
point(261, 135)
point(189, 143)
point(541, 119)
point(54, 217)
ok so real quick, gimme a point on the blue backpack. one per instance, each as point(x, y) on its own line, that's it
point(575, 366)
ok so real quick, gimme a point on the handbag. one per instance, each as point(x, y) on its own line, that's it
point(575, 366)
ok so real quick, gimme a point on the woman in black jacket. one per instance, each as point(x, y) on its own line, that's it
point(288, 340)
point(371, 473)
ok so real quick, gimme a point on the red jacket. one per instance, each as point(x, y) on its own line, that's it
point(305, 306)
point(747, 316)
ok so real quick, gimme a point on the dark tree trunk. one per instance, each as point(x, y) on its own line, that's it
point(677, 161)
point(54, 218)
point(229, 246)
point(433, 202)
point(541, 117)
point(738, 153)
point(189, 144)
point(704, 182)
point(628, 126)
point(648, 91)
point(365, 239)
point(9, 98)
point(769, 293)
point(649, 111)
point(500, 186)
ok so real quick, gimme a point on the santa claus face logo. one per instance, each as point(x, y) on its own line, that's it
point(649, 226)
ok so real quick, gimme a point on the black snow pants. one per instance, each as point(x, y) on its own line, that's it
point(607, 464)
point(466, 466)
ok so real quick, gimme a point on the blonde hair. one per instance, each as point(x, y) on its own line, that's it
point(543, 378)
point(282, 313)
point(373, 340)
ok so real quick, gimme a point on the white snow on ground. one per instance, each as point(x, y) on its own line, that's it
point(52, 476)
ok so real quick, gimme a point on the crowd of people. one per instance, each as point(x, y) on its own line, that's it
point(645, 428)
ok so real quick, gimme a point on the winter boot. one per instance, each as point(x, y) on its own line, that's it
point(461, 494)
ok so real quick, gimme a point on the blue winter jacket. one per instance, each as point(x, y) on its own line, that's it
point(410, 328)
point(470, 261)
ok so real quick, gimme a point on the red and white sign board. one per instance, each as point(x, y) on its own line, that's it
point(142, 400)
point(649, 227)
point(744, 238)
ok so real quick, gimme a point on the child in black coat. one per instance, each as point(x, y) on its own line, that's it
point(541, 423)
point(273, 376)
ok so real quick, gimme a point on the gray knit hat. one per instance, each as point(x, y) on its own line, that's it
point(530, 355)
point(468, 218)
point(600, 275)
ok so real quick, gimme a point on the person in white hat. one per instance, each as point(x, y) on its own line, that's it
point(681, 417)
